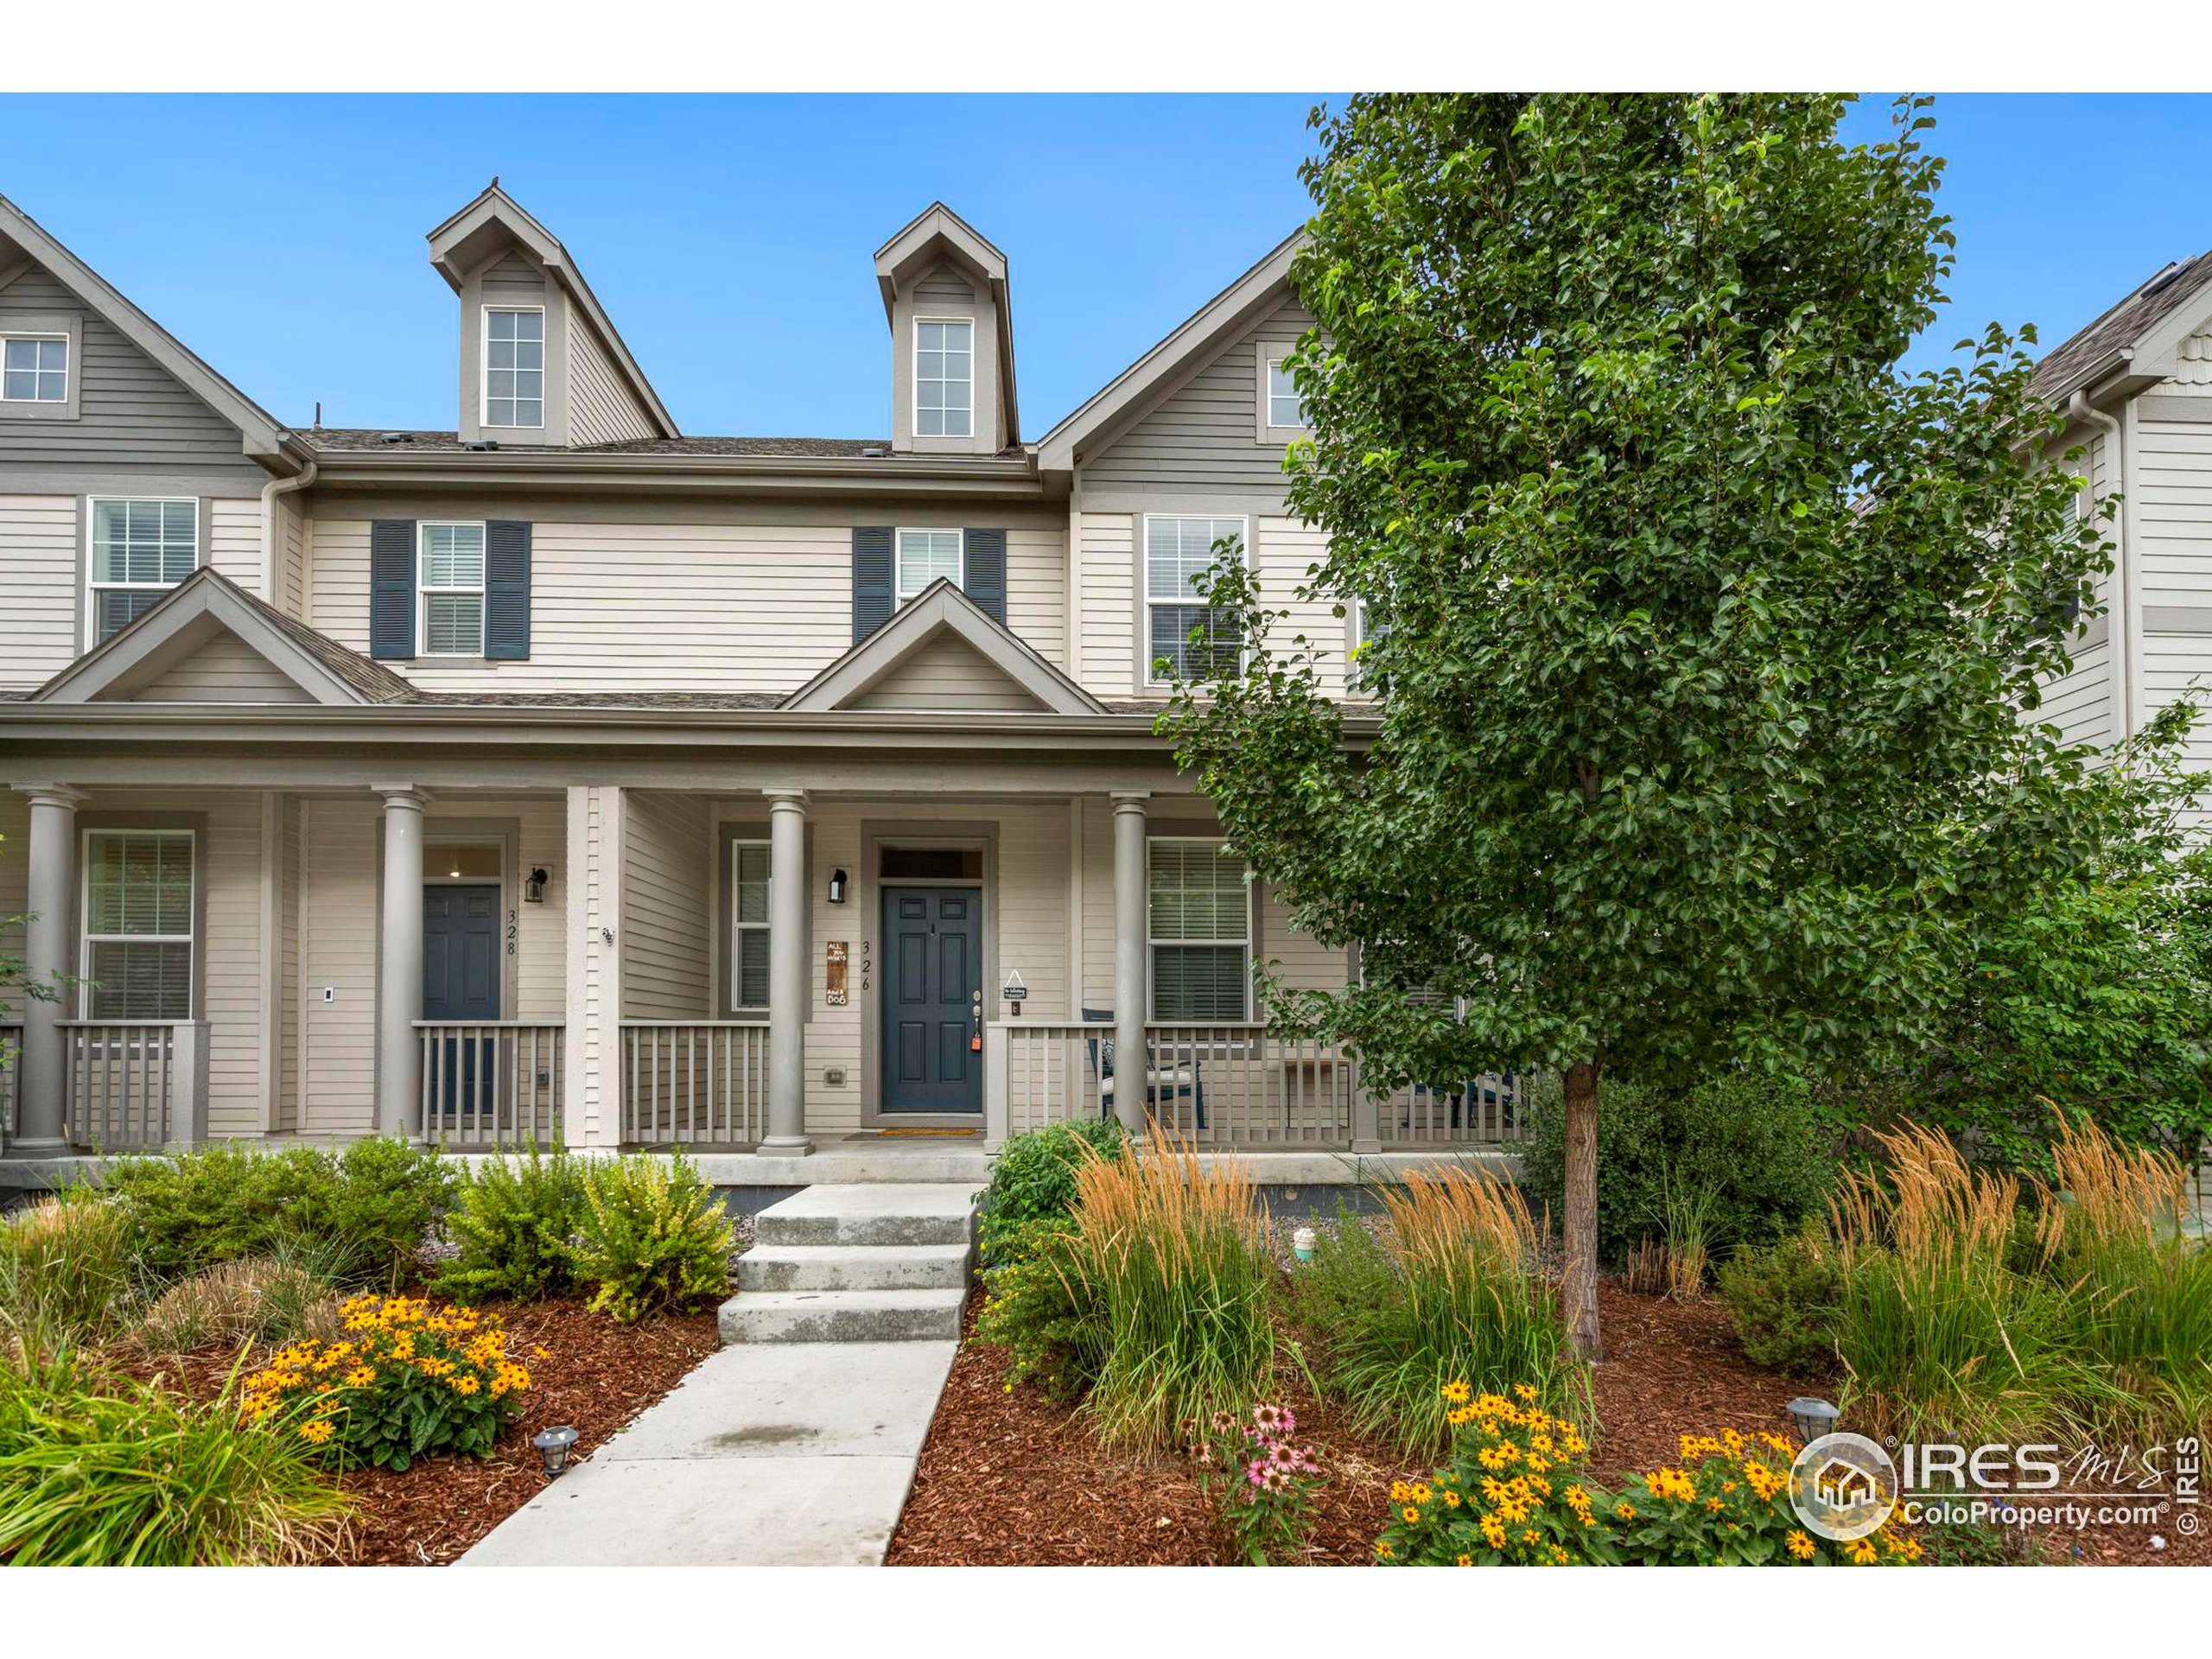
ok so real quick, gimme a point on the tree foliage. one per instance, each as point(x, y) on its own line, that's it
point(1703, 635)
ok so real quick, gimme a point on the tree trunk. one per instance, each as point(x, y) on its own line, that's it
point(1578, 1222)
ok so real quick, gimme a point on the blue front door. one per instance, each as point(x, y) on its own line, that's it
point(932, 1000)
point(460, 985)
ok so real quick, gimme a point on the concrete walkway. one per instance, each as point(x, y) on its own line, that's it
point(769, 1454)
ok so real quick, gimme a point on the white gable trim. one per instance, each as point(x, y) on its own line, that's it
point(168, 634)
point(939, 608)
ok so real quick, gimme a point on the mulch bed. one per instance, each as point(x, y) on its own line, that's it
point(1011, 1479)
point(596, 1374)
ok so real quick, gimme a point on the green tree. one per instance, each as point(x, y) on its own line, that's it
point(1701, 633)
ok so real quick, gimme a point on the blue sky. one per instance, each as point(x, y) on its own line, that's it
point(731, 237)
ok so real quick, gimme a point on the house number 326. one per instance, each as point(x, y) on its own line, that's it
point(867, 962)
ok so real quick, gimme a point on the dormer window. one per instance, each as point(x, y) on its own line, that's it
point(944, 379)
point(34, 368)
point(514, 365)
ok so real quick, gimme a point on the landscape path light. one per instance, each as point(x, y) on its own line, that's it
point(1814, 1418)
point(553, 1446)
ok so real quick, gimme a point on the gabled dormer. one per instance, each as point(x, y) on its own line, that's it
point(944, 292)
point(541, 363)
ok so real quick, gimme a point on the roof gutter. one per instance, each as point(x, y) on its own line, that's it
point(270, 492)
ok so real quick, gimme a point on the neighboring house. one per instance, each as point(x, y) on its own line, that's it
point(563, 775)
point(2136, 385)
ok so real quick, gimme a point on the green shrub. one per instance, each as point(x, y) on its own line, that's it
point(1455, 1298)
point(653, 1237)
point(514, 1224)
point(65, 1263)
point(1783, 1299)
point(367, 1210)
point(1033, 1180)
point(1759, 1147)
point(1175, 1259)
point(100, 1470)
point(1036, 1307)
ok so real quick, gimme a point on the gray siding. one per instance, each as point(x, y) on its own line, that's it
point(601, 408)
point(666, 907)
point(225, 670)
point(135, 417)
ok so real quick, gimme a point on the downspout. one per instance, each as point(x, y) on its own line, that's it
point(270, 492)
point(2117, 631)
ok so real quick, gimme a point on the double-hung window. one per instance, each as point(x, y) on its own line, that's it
point(34, 368)
point(749, 878)
point(924, 555)
point(138, 925)
point(1198, 931)
point(449, 577)
point(1177, 552)
point(944, 379)
point(1284, 409)
point(140, 549)
point(514, 366)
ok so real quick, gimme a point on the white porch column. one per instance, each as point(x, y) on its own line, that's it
point(788, 949)
point(593, 1106)
point(42, 1069)
point(1131, 1059)
point(399, 971)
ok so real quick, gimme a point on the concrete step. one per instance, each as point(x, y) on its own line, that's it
point(855, 1267)
point(906, 1213)
point(841, 1315)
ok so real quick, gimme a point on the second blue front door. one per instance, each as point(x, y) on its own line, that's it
point(932, 1000)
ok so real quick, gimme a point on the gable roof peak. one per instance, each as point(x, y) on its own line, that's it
point(939, 609)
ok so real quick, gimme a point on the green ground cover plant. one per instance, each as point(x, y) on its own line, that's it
point(653, 1239)
point(1033, 1180)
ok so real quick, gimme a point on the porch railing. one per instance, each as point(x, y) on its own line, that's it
point(1229, 1084)
point(695, 1082)
point(493, 1082)
point(136, 1085)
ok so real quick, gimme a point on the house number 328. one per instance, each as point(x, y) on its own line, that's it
point(511, 929)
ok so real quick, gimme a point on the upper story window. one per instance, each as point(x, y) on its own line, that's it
point(1284, 409)
point(449, 578)
point(138, 925)
point(944, 379)
point(34, 368)
point(1197, 929)
point(514, 366)
point(751, 864)
point(1177, 551)
point(926, 554)
point(140, 549)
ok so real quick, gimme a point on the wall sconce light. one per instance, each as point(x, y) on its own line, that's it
point(837, 881)
point(533, 889)
point(553, 1446)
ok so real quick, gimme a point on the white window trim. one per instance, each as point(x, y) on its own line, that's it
point(86, 939)
point(1152, 943)
point(423, 589)
point(899, 593)
point(738, 929)
point(1145, 601)
point(94, 588)
point(969, 323)
point(484, 369)
point(68, 365)
point(1271, 353)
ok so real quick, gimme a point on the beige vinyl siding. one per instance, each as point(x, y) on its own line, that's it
point(233, 528)
point(1098, 901)
point(1203, 435)
point(231, 980)
point(337, 925)
point(1302, 963)
point(699, 600)
point(296, 531)
point(38, 587)
point(1284, 555)
point(291, 1009)
point(667, 907)
point(601, 409)
point(1106, 640)
point(2173, 520)
point(2082, 703)
point(133, 416)
point(944, 286)
point(15, 849)
point(945, 672)
point(225, 670)
point(2193, 371)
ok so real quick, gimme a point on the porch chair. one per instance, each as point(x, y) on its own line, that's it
point(1176, 1082)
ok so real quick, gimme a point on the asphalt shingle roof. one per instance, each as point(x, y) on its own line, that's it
point(2125, 324)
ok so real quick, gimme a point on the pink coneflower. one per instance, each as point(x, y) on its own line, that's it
point(1272, 1420)
point(1223, 1422)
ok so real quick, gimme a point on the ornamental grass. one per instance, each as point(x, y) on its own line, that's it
point(2135, 1292)
point(1452, 1292)
point(65, 1264)
point(1174, 1258)
point(1941, 1338)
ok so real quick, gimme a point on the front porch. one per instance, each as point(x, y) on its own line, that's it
point(718, 968)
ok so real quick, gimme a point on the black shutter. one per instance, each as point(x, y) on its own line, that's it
point(871, 580)
point(506, 591)
point(985, 572)
point(391, 588)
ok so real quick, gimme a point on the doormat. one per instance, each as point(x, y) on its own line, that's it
point(930, 1135)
